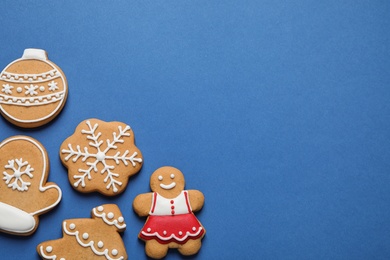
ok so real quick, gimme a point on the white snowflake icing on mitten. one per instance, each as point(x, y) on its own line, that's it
point(14, 180)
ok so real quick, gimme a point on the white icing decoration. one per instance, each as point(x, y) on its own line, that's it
point(168, 186)
point(18, 170)
point(6, 76)
point(114, 252)
point(30, 90)
point(193, 228)
point(188, 234)
point(164, 232)
point(100, 244)
point(160, 178)
point(162, 206)
point(172, 176)
point(85, 235)
point(89, 244)
point(121, 219)
point(180, 233)
point(53, 86)
point(100, 208)
point(108, 222)
point(110, 215)
point(62, 258)
point(15, 220)
point(101, 156)
point(53, 257)
point(149, 229)
point(38, 101)
point(19, 89)
point(32, 53)
point(72, 226)
point(7, 89)
point(49, 249)
point(41, 88)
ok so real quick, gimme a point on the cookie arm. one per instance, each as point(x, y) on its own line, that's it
point(142, 204)
point(196, 199)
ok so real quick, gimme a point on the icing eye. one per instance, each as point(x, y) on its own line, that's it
point(172, 176)
point(160, 178)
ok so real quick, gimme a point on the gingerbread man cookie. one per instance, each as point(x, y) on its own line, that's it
point(33, 90)
point(24, 193)
point(171, 222)
point(101, 156)
point(94, 238)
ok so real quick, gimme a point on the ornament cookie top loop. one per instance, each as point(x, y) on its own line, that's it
point(34, 54)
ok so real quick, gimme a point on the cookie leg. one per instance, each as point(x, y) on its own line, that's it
point(155, 250)
point(191, 247)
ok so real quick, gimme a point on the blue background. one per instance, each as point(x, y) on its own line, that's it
point(278, 111)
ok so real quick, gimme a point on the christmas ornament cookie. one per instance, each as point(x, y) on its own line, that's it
point(24, 193)
point(94, 238)
point(33, 90)
point(171, 222)
point(101, 156)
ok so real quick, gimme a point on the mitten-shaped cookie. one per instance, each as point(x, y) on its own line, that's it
point(94, 238)
point(171, 222)
point(101, 156)
point(33, 90)
point(24, 193)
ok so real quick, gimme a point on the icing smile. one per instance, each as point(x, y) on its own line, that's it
point(169, 186)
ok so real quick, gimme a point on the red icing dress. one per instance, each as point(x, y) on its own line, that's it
point(171, 220)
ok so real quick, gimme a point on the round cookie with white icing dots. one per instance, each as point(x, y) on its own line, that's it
point(94, 238)
point(101, 156)
point(24, 192)
point(33, 90)
point(171, 222)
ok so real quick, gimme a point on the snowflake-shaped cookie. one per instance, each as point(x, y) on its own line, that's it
point(18, 168)
point(97, 165)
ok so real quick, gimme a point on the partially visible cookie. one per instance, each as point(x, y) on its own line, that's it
point(24, 192)
point(33, 90)
point(171, 222)
point(89, 238)
point(101, 156)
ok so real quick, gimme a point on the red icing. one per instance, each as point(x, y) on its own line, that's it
point(154, 201)
point(172, 225)
point(187, 202)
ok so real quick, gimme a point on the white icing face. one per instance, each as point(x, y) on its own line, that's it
point(167, 181)
point(167, 186)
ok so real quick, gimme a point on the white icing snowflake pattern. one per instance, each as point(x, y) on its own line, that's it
point(100, 156)
point(7, 89)
point(31, 90)
point(53, 86)
point(19, 169)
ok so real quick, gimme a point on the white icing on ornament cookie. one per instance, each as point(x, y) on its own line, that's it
point(33, 90)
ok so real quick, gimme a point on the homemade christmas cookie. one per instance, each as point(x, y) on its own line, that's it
point(95, 238)
point(33, 90)
point(101, 156)
point(171, 222)
point(24, 192)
